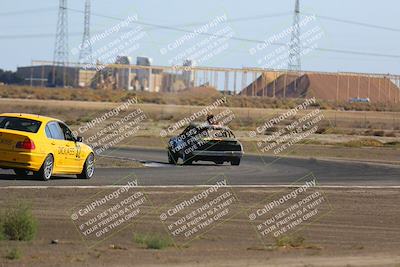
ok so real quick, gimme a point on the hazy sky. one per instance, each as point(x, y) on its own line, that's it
point(20, 41)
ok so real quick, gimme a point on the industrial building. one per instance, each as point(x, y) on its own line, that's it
point(114, 76)
point(49, 75)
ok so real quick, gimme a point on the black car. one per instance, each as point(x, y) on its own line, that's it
point(205, 142)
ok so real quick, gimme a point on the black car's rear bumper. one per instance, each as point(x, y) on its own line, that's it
point(209, 153)
point(216, 156)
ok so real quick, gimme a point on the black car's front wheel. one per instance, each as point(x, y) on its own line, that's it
point(172, 157)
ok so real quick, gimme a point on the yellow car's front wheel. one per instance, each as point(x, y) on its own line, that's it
point(88, 168)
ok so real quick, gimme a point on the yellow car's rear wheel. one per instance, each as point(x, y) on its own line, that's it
point(46, 170)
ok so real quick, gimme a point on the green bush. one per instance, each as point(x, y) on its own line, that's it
point(13, 254)
point(152, 241)
point(290, 241)
point(19, 224)
point(2, 237)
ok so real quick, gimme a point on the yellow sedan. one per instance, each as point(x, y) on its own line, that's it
point(42, 145)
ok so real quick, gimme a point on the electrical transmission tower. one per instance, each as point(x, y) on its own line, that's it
point(61, 46)
point(295, 43)
point(85, 55)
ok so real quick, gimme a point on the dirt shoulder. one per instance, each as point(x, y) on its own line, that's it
point(113, 162)
point(359, 227)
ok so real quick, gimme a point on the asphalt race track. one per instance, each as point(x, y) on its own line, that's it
point(254, 170)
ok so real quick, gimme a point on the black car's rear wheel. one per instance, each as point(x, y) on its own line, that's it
point(172, 157)
point(21, 172)
point(187, 159)
point(188, 162)
point(235, 162)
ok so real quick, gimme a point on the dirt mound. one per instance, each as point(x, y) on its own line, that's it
point(261, 82)
point(286, 85)
point(327, 87)
point(345, 87)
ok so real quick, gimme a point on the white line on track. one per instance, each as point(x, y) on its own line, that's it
point(201, 186)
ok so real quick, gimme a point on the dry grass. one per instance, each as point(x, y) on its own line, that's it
point(339, 122)
point(364, 143)
point(183, 98)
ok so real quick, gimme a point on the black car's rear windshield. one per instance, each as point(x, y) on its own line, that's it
point(19, 124)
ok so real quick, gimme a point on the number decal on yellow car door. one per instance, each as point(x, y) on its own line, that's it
point(78, 151)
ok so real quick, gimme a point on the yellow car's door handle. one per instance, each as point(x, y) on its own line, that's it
point(53, 143)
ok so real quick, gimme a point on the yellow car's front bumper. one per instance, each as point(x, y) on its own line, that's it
point(21, 160)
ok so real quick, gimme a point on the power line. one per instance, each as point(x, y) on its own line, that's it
point(380, 27)
point(240, 19)
point(249, 40)
point(27, 11)
point(45, 35)
point(256, 17)
point(172, 28)
point(34, 35)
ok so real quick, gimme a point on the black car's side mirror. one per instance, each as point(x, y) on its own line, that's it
point(79, 139)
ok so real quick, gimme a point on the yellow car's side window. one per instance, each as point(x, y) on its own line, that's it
point(67, 132)
point(54, 131)
point(48, 133)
